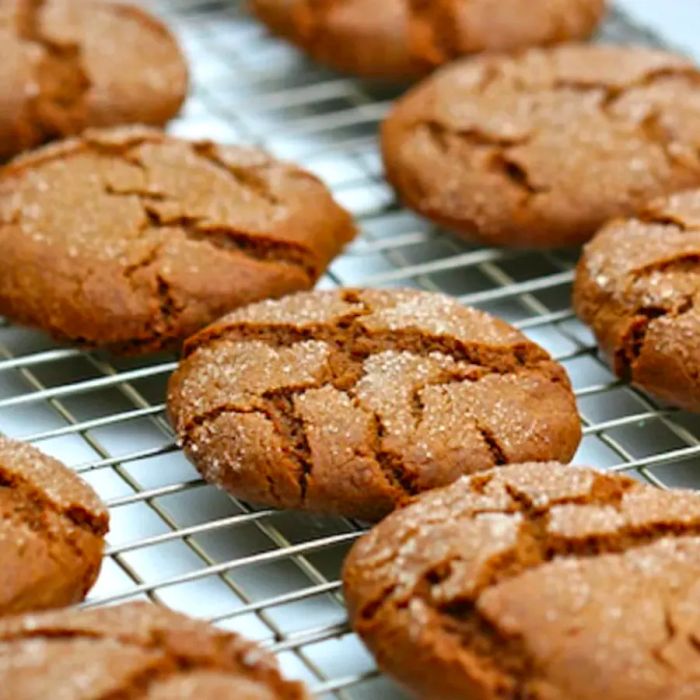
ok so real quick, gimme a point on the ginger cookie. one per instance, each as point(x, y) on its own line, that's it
point(352, 401)
point(534, 581)
point(132, 240)
point(541, 148)
point(71, 64)
point(136, 650)
point(404, 39)
point(638, 287)
point(52, 528)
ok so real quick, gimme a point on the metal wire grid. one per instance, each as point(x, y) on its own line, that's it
point(274, 575)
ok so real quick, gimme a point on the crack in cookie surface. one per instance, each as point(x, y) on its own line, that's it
point(460, 580)
point(52, 526)
point(447, 29)
point(149, 652)
point(278, 406)
point(183, 231)
point(396, 392)
point(59, 107)
point(638, 286)
point(513, 142)
point(63, 77)
point(404, 39)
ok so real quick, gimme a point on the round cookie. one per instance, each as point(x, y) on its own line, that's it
point(352, 401)
point(137, 650)
point(52, 528)
point(131, 239)
point(71, 64)
point(534, 581)
point(638, 286)
point(403, 39)
point(541, 148)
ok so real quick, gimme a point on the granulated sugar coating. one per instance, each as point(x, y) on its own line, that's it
point(52, 527)
point(352, 401)
point(541, 148)
point(536, 581)
point(132, 239)
point(71, 64)
point(138, 651)
point(638, 286)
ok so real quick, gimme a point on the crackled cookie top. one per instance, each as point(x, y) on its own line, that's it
point(137, 650)
point(132, 239)
point(406, 38)
point(351, 401)
point(52, 527)
point(535, 581)
point(638, 286)
point(70, 64)
point(541, 148)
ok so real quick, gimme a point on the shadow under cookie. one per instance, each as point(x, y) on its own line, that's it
point(352, 401)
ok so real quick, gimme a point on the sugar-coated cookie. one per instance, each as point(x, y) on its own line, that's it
point(71, 64)
point(132, 240)
point(536, 581)
point(52, 528)
point(403, 39)
point(539, 149)
point(638, 286)
point(352, 401)
point(136, 650)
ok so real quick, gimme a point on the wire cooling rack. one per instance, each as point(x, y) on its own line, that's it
point(274, 575)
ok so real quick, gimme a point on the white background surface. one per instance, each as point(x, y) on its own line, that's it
point(678, 20)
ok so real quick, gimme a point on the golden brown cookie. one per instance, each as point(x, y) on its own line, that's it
point(70, 64)
point(138, 651)
point(133, 240)
point(541, 148)
point(534, 581)
point(351, 401)
point(638, 286)
point(403, 39)
point(52, 527)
